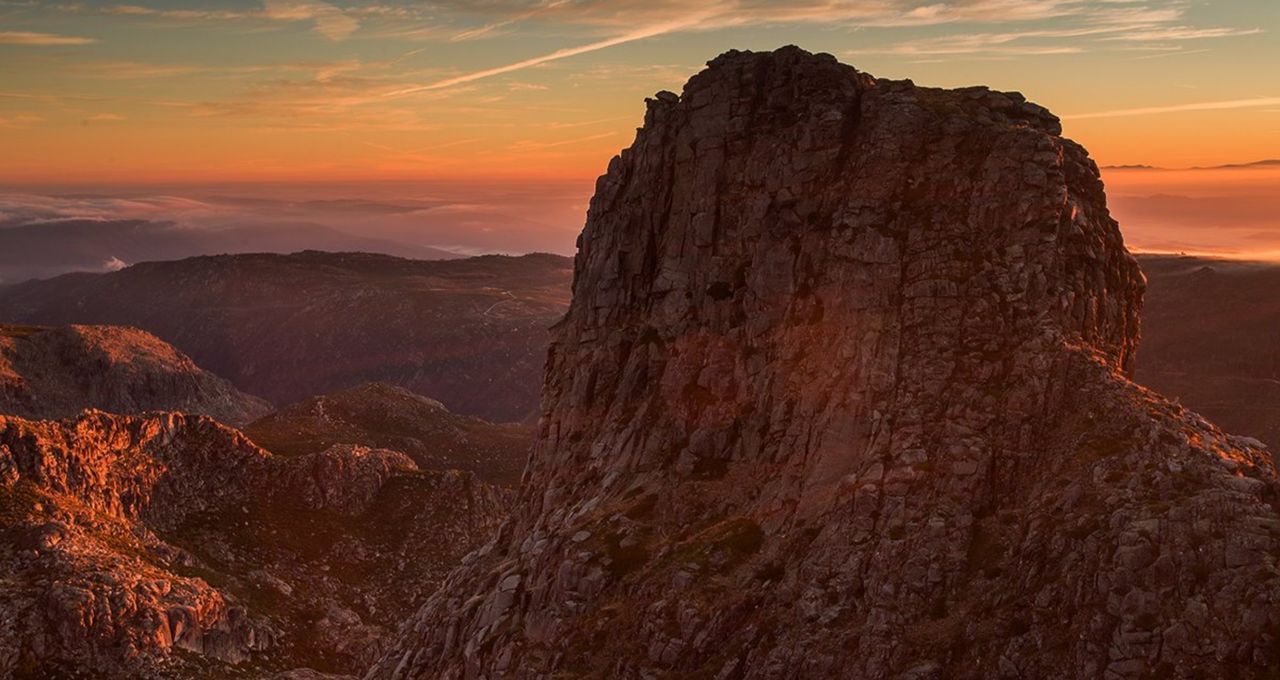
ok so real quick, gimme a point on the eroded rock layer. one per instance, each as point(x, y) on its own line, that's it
point(842, 392)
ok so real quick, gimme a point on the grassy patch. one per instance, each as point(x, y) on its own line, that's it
point(725, 544)
point(19, 331)
point(16, 502)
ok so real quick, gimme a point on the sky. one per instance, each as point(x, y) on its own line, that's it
point(503, 94)
point(307, 89)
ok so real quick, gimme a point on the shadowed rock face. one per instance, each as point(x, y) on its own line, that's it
point(842, 392)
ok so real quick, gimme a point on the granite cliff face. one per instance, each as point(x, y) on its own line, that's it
point(58, 372)
point(843, 392)
point(170, 546)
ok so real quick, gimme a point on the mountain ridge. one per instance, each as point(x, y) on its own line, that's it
point(469, 332)
point(50, 373)
point(41, 249)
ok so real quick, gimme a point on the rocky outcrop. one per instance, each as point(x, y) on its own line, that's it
point(471, 332)
point(378, 415)
point(58, 372)
point(344, 479)
point(843, 392)
point(87, 582)
point(172, 546)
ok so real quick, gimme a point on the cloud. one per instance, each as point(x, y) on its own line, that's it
point(630, 36)
point(1144, 28)
point(1008, 43)
point(1087, 22)
point(19, 121)
point(41, 39)
point(726, 13)
point(537, 145)
point(1179, 108)
point(1184, 33)
point(330, 21)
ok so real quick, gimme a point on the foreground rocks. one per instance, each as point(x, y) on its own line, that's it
point(171, 546)
point(58, 372)
point(843, 392)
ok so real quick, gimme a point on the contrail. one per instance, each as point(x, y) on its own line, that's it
point(632, 36)
point(1200, 106)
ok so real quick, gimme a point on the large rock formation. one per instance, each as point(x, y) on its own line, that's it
point(58, 372)
point(842, 392)
point(169, 546)
point(471, 333)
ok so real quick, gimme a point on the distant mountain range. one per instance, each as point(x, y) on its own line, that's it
point(471, 332)
point(49, 248)
point(1270, 163)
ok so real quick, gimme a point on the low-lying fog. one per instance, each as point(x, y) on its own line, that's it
point(1230, 212)
point(45, 231)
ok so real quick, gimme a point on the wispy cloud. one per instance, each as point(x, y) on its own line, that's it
point(42, 39)
point(328, 20)
point(630, 36)
point(1183, 33)
point(1106, 27)
point(535, 144)
point(1086, 23)
point(1180, 108)
point(19, 121)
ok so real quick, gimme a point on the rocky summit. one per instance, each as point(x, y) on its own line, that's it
point(58, 372)
point(843, 391)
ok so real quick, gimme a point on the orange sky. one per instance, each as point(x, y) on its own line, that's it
point(307, 90)
point(497, 116)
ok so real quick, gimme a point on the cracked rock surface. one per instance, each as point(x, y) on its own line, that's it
point(57, 372)
point(170, 546)
point(843, 392)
